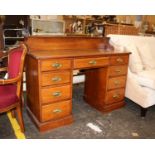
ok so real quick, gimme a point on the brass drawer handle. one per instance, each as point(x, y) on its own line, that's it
point(56, 65)
point(57, 94)
point(56, 79)
point(116, 96)
point(57, 111)
point(118, 70)
point(92, 62)
point(119, 60)
point(116, 82)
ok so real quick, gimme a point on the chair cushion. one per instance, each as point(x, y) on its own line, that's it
point(7, 95)
point(14, 62)
point(147, 78)
point(135, 62)
point(147, 57)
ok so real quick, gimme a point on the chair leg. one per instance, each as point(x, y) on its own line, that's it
point(143, 112)
point(22, 101)
point(20, 118)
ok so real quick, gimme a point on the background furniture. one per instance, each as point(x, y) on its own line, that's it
point(47, 27)
point(11, 36)
point(14, 28)
point(11, 88)
point(120, 29)
point(49, 73)
point(141, 73)
point(1, 37)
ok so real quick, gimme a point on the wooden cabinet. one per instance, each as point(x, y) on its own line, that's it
point(83, 25)
point(49, 85)
point(49, 77)
point(112, 86)
point(1, 37)
point(122, 29)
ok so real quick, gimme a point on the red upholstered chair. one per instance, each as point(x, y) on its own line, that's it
point(11, 88)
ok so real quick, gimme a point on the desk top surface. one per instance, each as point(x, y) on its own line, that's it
point(73, 53)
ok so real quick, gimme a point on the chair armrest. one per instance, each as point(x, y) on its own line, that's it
point(10, 81)
point(3, 55)
point(3, 69)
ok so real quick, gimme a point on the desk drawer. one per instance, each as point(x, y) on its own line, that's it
point(91, 62)
point(57, 64)
point(56, 110)
point(55, 93)
point(118, 70)
point(116, 82)
point(115, 96)
point(50, 78)
point(119, 60)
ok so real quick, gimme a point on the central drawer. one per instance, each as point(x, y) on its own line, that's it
point(50, 78)
point(56, 110)
point(91, 62)
point(53, 94)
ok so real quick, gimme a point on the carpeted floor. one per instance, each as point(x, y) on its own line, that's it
point(122, 123)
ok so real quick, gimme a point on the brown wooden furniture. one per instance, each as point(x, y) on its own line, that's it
point(11, 88)
point(1, 37)
point(120, 29)
point(50, 65)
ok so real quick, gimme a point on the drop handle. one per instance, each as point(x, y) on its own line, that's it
point(92, 62)
point(116, 82)
point(56, 94)
point(56, 65)
point(119, 60)
point(56, 79)
point(116, 96)
point(118, 70)
point(57, 111)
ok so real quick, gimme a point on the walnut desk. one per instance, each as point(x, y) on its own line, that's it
point(49, 72)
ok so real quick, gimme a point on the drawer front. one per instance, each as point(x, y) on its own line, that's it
point(115, 96)
point(119, 60)
point(91, 62)
point(50, 78)
point(57, 64)
point(116, 82)
point(56, 110)
point(118, 70)
point(55, 93)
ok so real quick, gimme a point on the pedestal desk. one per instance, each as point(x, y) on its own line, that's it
point(49, 71)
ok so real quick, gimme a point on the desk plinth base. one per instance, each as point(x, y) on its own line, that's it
point(104, 108)
point(46, 126)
